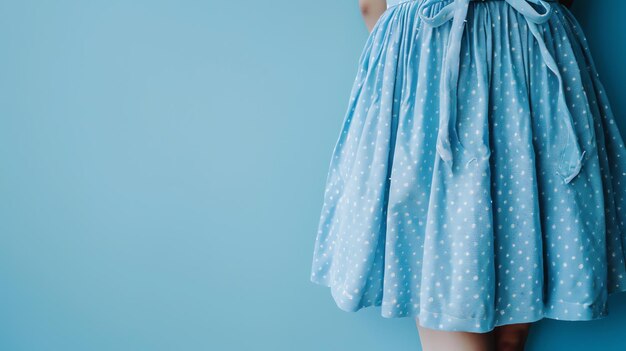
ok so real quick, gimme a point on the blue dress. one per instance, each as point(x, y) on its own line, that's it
point(479, 178)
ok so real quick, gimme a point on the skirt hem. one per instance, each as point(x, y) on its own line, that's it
point(557, 310)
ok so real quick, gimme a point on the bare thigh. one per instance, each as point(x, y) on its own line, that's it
point(438, 340)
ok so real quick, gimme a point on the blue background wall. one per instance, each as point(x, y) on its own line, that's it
point(162, 167)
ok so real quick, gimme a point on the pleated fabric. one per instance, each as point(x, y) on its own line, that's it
point(499, 238)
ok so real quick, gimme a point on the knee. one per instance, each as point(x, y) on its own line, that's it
point(510, 342)
point(511, 337)
point(509, 345)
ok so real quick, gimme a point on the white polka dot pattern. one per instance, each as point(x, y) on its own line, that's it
point(497, 239)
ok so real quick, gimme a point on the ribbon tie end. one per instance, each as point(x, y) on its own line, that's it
point(574, 169)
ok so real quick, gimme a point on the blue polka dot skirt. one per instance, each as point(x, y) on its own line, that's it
point(479, 178)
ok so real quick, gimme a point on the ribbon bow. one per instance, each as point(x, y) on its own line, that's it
point(571, 155)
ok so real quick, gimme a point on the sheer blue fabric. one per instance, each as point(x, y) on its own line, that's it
point(478, 174)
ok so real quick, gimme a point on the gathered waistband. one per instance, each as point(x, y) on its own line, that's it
point(536, 13)
point(391, 3)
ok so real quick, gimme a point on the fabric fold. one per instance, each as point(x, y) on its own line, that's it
point(526, 223)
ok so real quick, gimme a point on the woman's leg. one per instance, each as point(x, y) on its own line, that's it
point(511, 337)
point(437, 340)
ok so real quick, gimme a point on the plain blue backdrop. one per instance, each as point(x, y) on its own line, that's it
point(161, 173)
